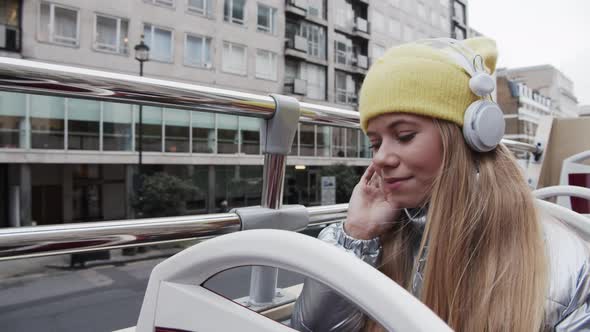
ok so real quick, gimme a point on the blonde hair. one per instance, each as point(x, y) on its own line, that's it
point(486, 268)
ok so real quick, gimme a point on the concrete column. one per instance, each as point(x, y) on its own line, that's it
point(67, 193)
point(129, 172)
point(211, 190)
point(26, 199)
point(14, 206)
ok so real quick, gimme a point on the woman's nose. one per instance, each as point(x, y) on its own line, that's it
point(386, 156)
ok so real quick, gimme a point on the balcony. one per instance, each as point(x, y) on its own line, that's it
point(296, 47)
point(297, 7)
point(9, 38)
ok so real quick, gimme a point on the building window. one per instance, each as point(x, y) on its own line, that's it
point(343, 49)
point(307, 140)
point(314, 77)
point(227, 134)
point(316, 81)
point(250, 135)
point(163, 3)
point(160, 42)
point(266, 65)
point(444, 3)
point(352, 141)
point(267, 19)
point(377, 52)
point(177, 130)
point(59, 24)
point(316, 8)
point(83, 124)
point(201, 7)
point(234, 11)
point(346, 88)
point(12, 120)
point(47, 122)
point(111, 34)
point(116, 127)
point(344, 14)
point(323, 140)
point(338, 139)
point(197, 51)
point(152, 129)
point(316, 39)
point(203, 127)
point(10, 26)
point(234, 58)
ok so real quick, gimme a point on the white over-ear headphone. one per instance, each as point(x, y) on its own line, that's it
point(483, 126)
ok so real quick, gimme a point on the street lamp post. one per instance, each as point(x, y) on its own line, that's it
point(142, 54)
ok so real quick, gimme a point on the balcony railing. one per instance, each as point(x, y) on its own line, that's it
point(40, 78)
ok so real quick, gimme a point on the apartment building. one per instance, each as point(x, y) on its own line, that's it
point(69, 160)
point(548, 81)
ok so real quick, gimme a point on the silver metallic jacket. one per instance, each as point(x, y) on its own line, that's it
point(567, 307)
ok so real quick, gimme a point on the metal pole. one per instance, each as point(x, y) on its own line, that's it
point(140, 147)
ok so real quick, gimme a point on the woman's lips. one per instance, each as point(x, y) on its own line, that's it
point(394, 183)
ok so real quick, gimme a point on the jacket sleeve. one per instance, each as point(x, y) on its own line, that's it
point(576, 316)
point(319, 308)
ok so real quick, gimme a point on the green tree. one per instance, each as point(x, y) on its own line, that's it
point(162, 195)
point(346, 178)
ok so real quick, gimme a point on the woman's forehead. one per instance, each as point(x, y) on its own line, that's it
point(386, 121)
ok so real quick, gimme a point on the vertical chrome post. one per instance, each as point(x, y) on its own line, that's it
point(276, 140)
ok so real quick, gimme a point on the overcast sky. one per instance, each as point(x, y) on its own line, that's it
point(535, 32)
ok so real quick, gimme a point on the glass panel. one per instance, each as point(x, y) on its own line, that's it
point(162, 41)
point(197, 6)
point(316, 81)
point(352, 140)
point(323, 141)
point(177, 130)
point(293, 151)
point(238, 10)
point(152, 129)
point(116, 128)
point(365, 146)
point(337, 141)
point(264, 18)
point(106, 33)
point(47, 122)
point(12, 120)
point(250, 131)
point(203, 132)
point(194, 50)
point(83, 124)
point(266, 65)
point(65, 26)
point(306, 145)
point(227, 133)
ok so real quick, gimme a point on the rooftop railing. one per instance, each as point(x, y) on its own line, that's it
point(41, 78)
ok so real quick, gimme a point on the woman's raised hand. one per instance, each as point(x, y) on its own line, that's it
point(369, 212)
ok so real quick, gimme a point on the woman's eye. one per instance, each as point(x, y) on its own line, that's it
point(374, 146)
point(406, 138)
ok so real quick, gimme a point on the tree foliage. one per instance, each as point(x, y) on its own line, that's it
point(161, 195)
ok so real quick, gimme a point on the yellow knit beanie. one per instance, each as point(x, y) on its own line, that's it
point(421, 79)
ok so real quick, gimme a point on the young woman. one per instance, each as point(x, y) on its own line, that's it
point(455, 225)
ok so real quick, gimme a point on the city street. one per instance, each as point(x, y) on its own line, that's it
point(103, 297)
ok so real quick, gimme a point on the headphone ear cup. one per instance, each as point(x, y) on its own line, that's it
point(483, 126)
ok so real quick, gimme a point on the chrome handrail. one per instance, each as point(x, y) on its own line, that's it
point(35, 77)
point(42, 78)
point(39, 241)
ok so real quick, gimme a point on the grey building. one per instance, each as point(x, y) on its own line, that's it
point(548, 81)
point(68, 160)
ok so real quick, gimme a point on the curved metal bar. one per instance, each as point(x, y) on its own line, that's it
point(522, 147)
point(37, 241)
point(26, 76)
point(555, 191)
